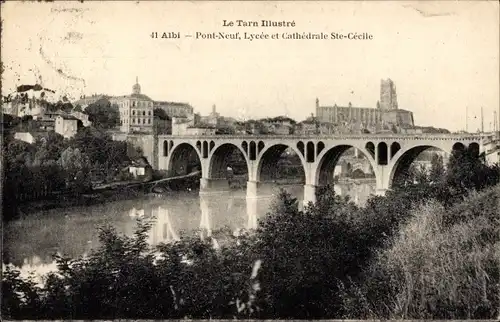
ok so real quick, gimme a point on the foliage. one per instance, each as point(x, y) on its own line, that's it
point(467, 171)
point(76, 167)
point(439, 266)
point(161, 114)
point(103, 115)
point(52, 163)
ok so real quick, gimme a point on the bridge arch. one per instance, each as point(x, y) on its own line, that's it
point(329, 159)
point(184, 158)
point(269, 157)
point(403, 158)
point(219, 160)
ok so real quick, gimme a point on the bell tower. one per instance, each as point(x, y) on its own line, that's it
point(136, 89)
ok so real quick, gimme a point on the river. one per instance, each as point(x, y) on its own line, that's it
point(30, 242)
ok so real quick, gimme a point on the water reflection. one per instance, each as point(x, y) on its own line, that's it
point(30, 243)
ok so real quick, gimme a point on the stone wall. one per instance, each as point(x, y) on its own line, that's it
point(147, 142)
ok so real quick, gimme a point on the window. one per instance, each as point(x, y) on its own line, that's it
point(149, 121)
point(143, 113)
point(133, 112)
point(133, 121)
point(143, 121)
point(149, 113)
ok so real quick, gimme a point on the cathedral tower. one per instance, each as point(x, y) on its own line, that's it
point(388, 97)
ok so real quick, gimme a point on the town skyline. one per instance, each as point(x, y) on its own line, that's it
point(441, 64)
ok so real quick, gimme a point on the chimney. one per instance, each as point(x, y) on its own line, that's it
point(350, 105)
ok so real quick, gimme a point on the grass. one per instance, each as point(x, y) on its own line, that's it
point(440, 270)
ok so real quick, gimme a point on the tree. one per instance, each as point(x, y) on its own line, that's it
point(77, 169)
point(301, 252)
point(49, 148)
point(104, 153)
point(103, 115)
point(437, 170)
point(161, 114)
point(467, 171)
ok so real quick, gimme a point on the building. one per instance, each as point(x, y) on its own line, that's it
point(311, 126)
point(136, 111)
point(66, 125)
point(366, 118)
point(174, 109)
point(23, 105)
point(185, 126)
point(398, 117)
point(141, 170)
point(31, 137)
point(348, 114)
point(25, 136)
point(213, 119)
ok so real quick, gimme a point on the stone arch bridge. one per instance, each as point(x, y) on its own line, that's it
point(388, 155)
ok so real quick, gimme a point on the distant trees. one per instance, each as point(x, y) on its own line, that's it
point(105, 155)
point(103, 115)
point(53, 163)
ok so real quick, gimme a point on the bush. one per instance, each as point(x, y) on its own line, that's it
point(439, 266)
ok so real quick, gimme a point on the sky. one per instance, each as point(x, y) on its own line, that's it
point(442, 56)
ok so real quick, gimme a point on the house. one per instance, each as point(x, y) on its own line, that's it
point(31, 136)
point(25, 136)
point(66, 125)
point(190, 126)
point(141, 169)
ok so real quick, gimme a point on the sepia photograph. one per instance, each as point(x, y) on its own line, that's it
point(253, 160)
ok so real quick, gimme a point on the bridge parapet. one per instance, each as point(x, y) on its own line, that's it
point(456, 137)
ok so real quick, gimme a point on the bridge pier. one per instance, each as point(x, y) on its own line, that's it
point(383, 179)
point(309, 193)
point(252, 189)
point(251, 207)
point(206, 217)
point(213, 186)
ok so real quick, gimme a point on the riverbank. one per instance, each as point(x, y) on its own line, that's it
point(116, 191)
point(90, 199)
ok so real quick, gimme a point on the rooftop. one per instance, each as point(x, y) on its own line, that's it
point(172, 103)
point(336, 106)
point(139, 96)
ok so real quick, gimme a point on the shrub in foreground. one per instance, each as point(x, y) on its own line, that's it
point(443, 264)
